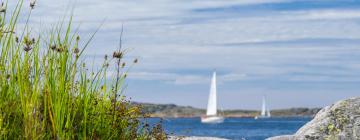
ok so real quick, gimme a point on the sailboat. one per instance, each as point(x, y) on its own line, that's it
point(211, 112)
point(265, 111)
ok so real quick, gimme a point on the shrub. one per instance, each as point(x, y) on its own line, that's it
point(47, 92)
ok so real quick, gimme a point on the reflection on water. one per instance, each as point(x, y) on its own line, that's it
point(233, 128)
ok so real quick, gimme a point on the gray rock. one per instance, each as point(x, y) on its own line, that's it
point(283, 137)
point(340, 121)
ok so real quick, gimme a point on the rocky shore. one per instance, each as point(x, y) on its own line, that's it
point(340, 121)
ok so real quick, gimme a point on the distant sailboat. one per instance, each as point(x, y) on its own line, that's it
point(265, 111)
point(211, 112)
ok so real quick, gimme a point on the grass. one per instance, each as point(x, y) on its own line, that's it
point(48, 92)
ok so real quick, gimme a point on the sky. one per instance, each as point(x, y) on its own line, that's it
point(299, 53)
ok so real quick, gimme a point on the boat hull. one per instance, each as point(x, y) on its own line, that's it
point(212, 119)
point(262, 117)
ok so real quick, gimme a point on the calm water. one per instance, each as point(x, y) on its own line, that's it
point(233, 128)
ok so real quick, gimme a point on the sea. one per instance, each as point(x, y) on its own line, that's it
point(233, 128)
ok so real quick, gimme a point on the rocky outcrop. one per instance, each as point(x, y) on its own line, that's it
point(340, 121)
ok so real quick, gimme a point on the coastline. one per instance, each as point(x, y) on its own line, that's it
point(176, 111)
point(190, 117)
point(194, 138)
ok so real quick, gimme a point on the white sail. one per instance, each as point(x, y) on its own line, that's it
point(268, 112)
point(263, 109)
point(212, 104)
point(211, 113)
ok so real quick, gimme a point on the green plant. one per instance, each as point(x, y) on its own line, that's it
point(47, 92)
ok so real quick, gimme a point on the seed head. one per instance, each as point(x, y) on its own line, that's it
point(106, 57)
point(33, 41)
point(59, 49)
point(2, 8)
point(123, 65)
point(53, 47)
point(106, 64)
point(28, 42)
point(17, 39)
point(117, 55)
point(32, 3)
point(27, 48)
point(76, 50)
point(77, 38)
point(136, 61)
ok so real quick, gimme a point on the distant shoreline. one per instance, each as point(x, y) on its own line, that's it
point(310, 117)
point(175, 111)
point(194, 138)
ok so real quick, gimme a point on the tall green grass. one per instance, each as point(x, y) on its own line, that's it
point(47, 92)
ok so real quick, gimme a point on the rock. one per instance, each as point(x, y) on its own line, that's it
point(340, 121)
point(283, 137)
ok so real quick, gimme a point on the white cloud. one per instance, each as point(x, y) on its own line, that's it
point(190, 79)
point(325, 14)
point(184, 79)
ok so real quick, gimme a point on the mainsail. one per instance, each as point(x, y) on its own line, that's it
point(268, 113)
point(263, 109)
point(212, 104)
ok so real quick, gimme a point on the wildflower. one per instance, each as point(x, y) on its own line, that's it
point(117, 55)
point(136, 61)
point(32, 3)
point(2, 8)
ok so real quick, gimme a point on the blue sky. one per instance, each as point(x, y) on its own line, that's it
point(299, 53)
